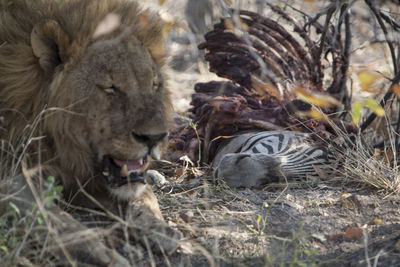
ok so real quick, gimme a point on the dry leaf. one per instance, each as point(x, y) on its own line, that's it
point(345, 196)
point(375, 221)
point(320, 237)
point(368, 79)
point(353, 232)
point(318, 99)
point(313, 113)
point(374, 106)
point(316, 114)
point(396, 89)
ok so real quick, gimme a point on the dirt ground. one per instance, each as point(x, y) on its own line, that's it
point(298, 224)
point(309, 223)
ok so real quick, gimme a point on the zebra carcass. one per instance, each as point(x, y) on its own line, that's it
point(269, 71)
point(258, 158)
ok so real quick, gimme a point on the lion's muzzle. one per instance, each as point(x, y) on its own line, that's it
point(120, 172)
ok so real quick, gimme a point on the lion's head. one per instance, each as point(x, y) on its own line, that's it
point(97, 86)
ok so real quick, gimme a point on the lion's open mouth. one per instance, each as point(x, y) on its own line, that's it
point(120, 172)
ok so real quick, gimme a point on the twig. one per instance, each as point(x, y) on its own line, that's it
point(331, 10)
point(346, 100)
point(389, 20)
point(395, 80)
point(383, 27)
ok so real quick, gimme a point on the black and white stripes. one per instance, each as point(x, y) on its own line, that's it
point(270, 156)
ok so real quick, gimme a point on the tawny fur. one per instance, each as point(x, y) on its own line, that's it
point(71, 98)
point(29, 85)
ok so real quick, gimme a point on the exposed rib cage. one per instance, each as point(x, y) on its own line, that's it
point(276, 155)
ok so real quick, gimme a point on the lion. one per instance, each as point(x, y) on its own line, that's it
point(85, 79)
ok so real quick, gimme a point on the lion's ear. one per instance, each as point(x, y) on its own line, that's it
point(49, 44)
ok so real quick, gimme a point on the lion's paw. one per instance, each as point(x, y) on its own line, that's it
point(153, 177)
point(154, 233)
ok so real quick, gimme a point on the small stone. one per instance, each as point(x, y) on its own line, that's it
point(187, 216)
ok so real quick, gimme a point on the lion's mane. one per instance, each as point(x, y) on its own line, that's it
point(26, 89)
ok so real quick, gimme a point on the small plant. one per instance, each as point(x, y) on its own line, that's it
point(19, 229)
point(52, 191)
point(259, 227)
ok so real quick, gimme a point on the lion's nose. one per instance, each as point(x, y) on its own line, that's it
point(150, 139)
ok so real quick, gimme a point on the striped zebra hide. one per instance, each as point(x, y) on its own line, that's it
point(257, 158)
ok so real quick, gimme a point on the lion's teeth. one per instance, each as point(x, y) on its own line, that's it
point(106, 173)
point(124, 171)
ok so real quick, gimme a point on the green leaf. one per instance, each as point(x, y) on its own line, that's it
point(59, 188)
point(40, 219)
point(356, 112)
point(4, 248)
point(374, 106)
point(193, 125)
point(14, 208)
point(51, 179)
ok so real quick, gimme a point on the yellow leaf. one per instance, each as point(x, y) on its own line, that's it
point(316, 114)
point(161, 2)
point(318, 99)
point(374, 106)
point(258, 219)
point(313, 113)
point(377, 221)
point(396, 89)
point(356, 112)
point(367, 79)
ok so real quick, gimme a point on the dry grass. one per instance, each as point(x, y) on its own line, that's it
point(221, 226)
